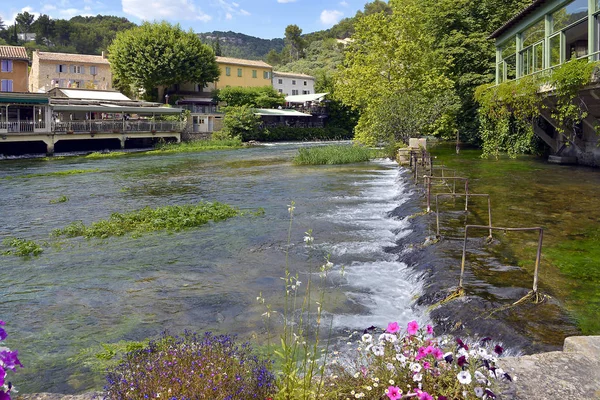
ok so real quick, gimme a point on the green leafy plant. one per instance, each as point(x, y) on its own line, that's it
point(61, 199)
point(22, 247)
point(170, 218)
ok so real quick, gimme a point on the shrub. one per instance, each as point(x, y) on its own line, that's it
point(282, 133)
point(191, 366)
point(22, 247)
point(415, 364)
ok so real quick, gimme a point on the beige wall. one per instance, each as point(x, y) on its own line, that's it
point(43, 72)
point(18, 75)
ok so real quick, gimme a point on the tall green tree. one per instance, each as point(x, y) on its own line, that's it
point(257, 97)
point(24, 21)
point(157, 55)
point(391, 63)
point(217, 47)
point(293, 39)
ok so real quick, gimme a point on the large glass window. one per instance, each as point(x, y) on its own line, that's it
point(569, 14)
point(534, 33)
point(555, 50)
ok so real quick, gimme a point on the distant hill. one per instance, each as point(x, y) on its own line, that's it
point(238, 45)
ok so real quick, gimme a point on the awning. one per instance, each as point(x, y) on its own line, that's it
point(280, 113)
point(111, 108)
point(94, 95)
point(195, 100)
point(305, 98)
point(23, 98)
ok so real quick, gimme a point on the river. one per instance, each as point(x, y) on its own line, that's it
point(60, 306)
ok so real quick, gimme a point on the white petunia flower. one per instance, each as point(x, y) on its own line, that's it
point(401, 357)
point(464, 377)
point(378, 350)
point(479, 391)
point(415, 367)
point(417, 377)
point(480, 377)
point(367, 338)
point(390, 366)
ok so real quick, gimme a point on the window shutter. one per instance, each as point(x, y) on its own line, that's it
point(57, 67)
point(82, 69)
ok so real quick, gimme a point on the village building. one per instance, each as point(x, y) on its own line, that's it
point(539, 39)
point(14, 64)
point(50, 70)
point(293, 84)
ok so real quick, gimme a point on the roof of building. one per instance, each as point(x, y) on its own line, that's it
point(292, 75)
point(105, 95)
point(280, 113)
point(13, 53)
point(305, 98)
point(515, 19)
point(67, 57)
point(115, 109)
point(239, 61)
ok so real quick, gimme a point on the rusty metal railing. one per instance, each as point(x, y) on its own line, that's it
point(428, 179)
point(537, 258)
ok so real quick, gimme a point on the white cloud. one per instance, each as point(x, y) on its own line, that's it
point(343, 4)
point(244, 12)
point(330, 17)
point(156, 10)
point(228, 16)
point(285, 1)
point(233, 3)
point(48, 7)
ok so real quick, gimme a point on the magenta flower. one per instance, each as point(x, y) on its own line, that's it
point(425, 396)
point(392, 327)
point(426, 365)
point(10, 359)
point(3, 334)
point(4, 396)
point(2, 375)
point(429, 330)
point(413, 327)
point(394, 392)
point(498, 349)
point(438, 354)
point(421, 353)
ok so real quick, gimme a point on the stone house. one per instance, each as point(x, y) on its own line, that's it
point(50, 70)
point(14, 63)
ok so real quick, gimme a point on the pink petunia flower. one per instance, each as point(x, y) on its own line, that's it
point(429, 330)
point(425, 396)
point(392, 327)
point(438, 354)
point(413, 327)
point(426, 365)
point(394, 392)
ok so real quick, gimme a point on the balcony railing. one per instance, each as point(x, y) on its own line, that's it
point(92, 126)
point(197, 109)
point(21, 126)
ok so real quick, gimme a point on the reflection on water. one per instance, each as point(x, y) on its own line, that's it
point(92, 291)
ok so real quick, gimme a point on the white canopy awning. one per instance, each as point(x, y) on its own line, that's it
point(279, 113)
point(305, 98)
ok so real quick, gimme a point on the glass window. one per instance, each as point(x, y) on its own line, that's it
point(510, 63)
point(538, 57)
point(266, 75)
point(93, 70)
point(239, 72)
point(509, 49)
point(573, 12)
point(500, 67)
point(293, 82)
point(6, 85)
point(280, 81)
point(555, 50)
point(7, 65)
point(228, 71)
point(534, 33)
point(254, 73)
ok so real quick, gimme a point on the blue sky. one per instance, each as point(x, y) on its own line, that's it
point(263, 18)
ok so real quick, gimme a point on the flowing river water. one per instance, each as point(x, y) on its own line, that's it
point(60, 306)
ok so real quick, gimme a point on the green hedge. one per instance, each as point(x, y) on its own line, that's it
point(284, 133)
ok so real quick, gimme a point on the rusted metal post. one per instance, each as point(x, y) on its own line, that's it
point(537, 258)
point(455, 178)
point(428, 180)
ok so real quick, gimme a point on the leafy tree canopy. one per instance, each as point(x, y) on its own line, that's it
point(240, 121)
point(394, 76)
point(256, 97)
point(161, 54)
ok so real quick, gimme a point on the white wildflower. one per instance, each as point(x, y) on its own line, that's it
point(464, 377)
point(415, 367)
point(367, 338)
point(479, 391)
point(417, 377)
point(378, 350)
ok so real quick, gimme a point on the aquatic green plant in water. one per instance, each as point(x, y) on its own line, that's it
point(196, 145)
point(170, 218)
point(21, 247)
point(61, 199)
point(335, 154)
point(97, 154)
point(56, 173)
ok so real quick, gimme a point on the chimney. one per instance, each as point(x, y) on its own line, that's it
point(103, 54)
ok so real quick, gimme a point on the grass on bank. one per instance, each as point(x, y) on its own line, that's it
point(170, 218)
point(334, 154)
point(56, 173)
